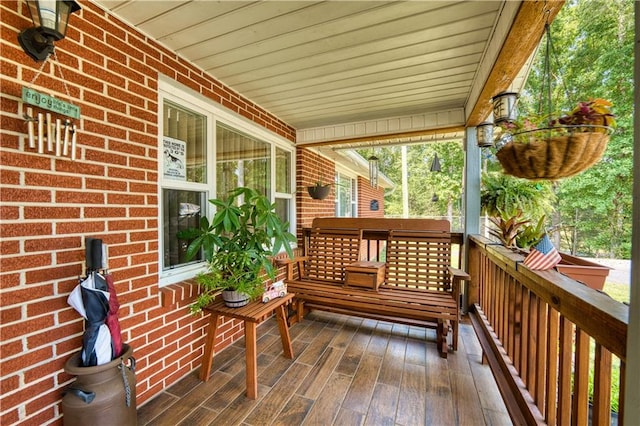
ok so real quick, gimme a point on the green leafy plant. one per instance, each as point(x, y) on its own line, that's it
point(511, 204)
point(531, 234)
point(238, 244)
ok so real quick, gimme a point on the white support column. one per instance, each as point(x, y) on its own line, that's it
point(632, 377)
point(471, 183)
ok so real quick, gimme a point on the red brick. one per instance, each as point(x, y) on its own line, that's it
point(9, 177)
point(52, 180)
point(84, 227)
point(104, 157)
point(45, 244)
point(8, 230)
point(106, 184)
point(126, 199)
point(9, 212)
point(30, 357)
point(105, 212)
point(25, 195)
point(126, 173)
point(79, 197)
point(8, 384)
point(80, 167)
point(42, 212)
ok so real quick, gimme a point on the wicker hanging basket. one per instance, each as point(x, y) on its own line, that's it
point(552, 153)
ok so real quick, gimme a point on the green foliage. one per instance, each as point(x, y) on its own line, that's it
point(593, 42)
point(512, 203)
point(238, 244)
point(531, 234)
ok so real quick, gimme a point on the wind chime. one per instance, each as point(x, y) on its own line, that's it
point(60, 134)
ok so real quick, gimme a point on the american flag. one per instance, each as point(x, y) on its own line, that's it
point(543, 256)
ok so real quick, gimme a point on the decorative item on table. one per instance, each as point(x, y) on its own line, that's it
point(273, 291)
point(543, 256)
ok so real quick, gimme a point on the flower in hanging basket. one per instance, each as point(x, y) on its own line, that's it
point(539, 148)
point(596, 112)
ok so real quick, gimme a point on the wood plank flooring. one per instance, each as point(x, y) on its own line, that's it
point(346, 371)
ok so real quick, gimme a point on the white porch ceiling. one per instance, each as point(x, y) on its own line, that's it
point(325, 63)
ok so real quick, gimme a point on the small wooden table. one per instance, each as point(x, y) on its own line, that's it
point(252, 314)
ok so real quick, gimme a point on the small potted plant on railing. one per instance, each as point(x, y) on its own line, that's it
point(553, 148)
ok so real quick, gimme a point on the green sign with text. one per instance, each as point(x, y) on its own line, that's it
point(50, 103)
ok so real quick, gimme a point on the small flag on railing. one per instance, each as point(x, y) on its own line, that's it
point(543, 255)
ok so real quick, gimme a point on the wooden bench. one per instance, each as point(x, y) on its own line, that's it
point(420, 287)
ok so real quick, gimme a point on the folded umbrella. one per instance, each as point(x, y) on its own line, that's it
point(92, 302)
point(112, 318)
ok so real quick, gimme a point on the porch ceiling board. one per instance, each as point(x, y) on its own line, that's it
point(326, 63)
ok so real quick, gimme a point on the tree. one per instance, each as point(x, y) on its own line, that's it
point(593, 43)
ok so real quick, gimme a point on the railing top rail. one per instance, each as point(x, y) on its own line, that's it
point(600, 316)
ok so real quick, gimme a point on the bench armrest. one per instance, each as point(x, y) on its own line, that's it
point(458, 274)
point(290, 264)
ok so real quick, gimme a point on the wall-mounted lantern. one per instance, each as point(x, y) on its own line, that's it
point(50, 19)
point(504, 107)
point(484, 134)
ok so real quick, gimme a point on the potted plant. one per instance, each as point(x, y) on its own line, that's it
point(511, 204)
point(552, 148)
point(238, 245)
point(319, 191)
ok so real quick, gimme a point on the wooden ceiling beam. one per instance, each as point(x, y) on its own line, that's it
point(523, 38)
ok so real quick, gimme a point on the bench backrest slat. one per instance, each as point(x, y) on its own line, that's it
point(417, 259)
point(330, 250)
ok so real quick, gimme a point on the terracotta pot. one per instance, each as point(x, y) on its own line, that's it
point(101, 395)
point(592, 274)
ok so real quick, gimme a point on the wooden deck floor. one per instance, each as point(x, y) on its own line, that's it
point(346, 371)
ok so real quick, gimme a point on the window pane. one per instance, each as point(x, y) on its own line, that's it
point(241, 161)
point(343, 198)
point(185, 144)
point(181, 210)
point(282, 208)
point(283, 171)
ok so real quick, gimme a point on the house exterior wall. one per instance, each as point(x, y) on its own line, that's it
point(50, 204)
point(366, 194)
point(311, 168)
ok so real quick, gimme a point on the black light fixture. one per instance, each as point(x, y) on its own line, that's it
point(435, 164)
point(373, 171)
point(435, 198)
point(50, 19)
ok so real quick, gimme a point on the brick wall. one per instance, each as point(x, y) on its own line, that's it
point(311, 168)
point(49, 204)
point(365, 194)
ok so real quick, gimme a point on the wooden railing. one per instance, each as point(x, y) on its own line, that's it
point(544, 335)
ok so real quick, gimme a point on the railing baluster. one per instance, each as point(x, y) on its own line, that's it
point(580, 407)
point(565, 371)
point(601, 414)
point(541, 356)
point(553, 338)
point(533, 344)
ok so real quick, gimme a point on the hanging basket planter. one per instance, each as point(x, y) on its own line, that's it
point(319, 192)
point(552, 153)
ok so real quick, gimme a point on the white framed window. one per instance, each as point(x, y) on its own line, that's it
point(206, 151)
point(346, 195)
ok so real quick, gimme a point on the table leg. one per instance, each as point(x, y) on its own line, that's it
point(251, 359)
point(281, 316)
point(210, 341)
